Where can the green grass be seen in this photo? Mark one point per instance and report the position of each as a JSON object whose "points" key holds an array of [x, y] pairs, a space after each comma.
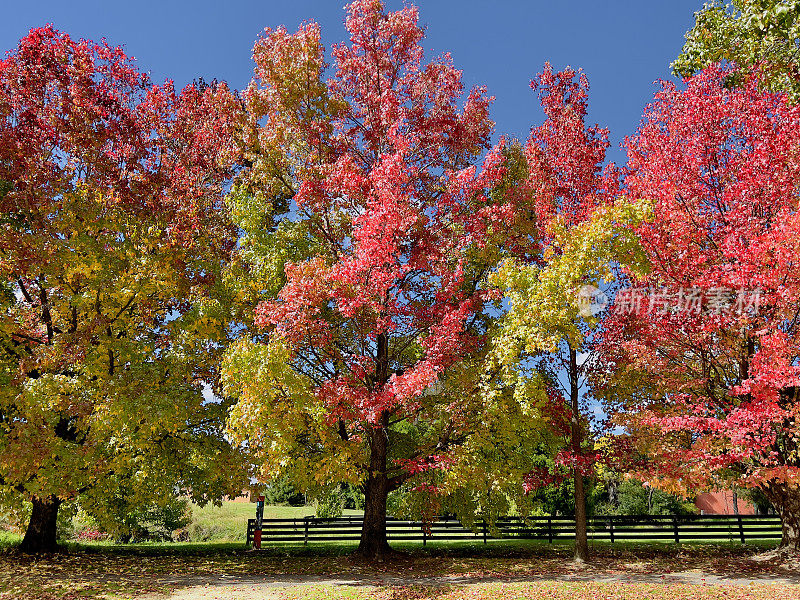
{"points": [[220, 523], [511, 547], [213, 524], [226, 526], [8, 539], [512, 569], [292, 512], [228, 523]]}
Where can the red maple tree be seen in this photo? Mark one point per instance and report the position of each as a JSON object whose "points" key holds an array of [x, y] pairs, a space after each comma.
{"points": [[381, 163], [703, 352]]}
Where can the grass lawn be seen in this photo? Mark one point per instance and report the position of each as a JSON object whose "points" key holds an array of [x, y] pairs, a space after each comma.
{"points": [[445, 571], [228, 523], [221, 523], [221, 568]]}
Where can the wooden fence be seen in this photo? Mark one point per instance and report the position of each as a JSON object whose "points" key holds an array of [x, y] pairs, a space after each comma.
{"points": [[608, 528]]}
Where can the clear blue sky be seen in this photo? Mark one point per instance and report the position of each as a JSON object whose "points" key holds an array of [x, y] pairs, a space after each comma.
{"points": [[622, 45]]}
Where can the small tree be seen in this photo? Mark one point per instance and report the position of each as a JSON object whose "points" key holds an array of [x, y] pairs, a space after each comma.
{"points": [[153, 521], [582, 233]]}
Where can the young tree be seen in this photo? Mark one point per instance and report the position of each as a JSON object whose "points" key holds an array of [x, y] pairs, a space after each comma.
{"points": [[747, 33], [582, 234], [357, 373], [703, 351], [112, 239]]}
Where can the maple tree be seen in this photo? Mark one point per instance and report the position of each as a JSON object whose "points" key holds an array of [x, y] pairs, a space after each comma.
{"points": [[361, 370], [113, 237], [583, 230], [703, 367], [747, 33]]}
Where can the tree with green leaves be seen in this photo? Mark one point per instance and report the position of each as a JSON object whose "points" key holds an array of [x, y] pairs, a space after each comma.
{"points": [[112, 239], [584, 230], [763, 33]]}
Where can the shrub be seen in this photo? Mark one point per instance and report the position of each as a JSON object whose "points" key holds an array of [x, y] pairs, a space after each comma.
{"points": [[90, 535], [148, 522], [333, 500]]}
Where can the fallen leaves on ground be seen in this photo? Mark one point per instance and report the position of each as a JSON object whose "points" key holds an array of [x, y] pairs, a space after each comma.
{"points": [[433, 574]]}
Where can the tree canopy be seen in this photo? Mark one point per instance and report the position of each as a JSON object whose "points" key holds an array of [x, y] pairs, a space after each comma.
{"points": [[702, 349], [747, 33], [112, 242], [333, 279]]}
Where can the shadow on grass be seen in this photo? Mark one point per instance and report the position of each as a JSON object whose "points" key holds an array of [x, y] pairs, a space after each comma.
{"points": [[99, 570]]}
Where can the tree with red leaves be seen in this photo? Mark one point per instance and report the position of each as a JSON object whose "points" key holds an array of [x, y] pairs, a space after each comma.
{"points": [[702, 352], [112, 240], [362, 369]]}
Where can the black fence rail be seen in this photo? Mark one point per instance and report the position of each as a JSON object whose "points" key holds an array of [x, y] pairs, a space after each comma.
{"points": [[643, 528]]}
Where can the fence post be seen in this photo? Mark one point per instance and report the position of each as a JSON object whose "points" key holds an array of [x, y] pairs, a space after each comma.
{"points": [[259, 523], [741, 528], [611, 527], [305, 534], [484, 531], [550, 530], [675, 527]]}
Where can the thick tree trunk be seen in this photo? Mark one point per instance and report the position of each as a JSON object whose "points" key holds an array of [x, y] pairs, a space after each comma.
{"points": [[790, 524], [786, 500], [581, 538], [41, 533], [373, 544]]}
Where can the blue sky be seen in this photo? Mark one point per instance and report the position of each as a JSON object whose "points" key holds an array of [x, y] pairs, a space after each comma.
{"points": [[622, 45]]}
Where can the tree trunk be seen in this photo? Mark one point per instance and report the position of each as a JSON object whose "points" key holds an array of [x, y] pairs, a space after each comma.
{"points": [[41, 533], [581, 541], [790, 526], [786, 500], [581, 538], [373, 544]]}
